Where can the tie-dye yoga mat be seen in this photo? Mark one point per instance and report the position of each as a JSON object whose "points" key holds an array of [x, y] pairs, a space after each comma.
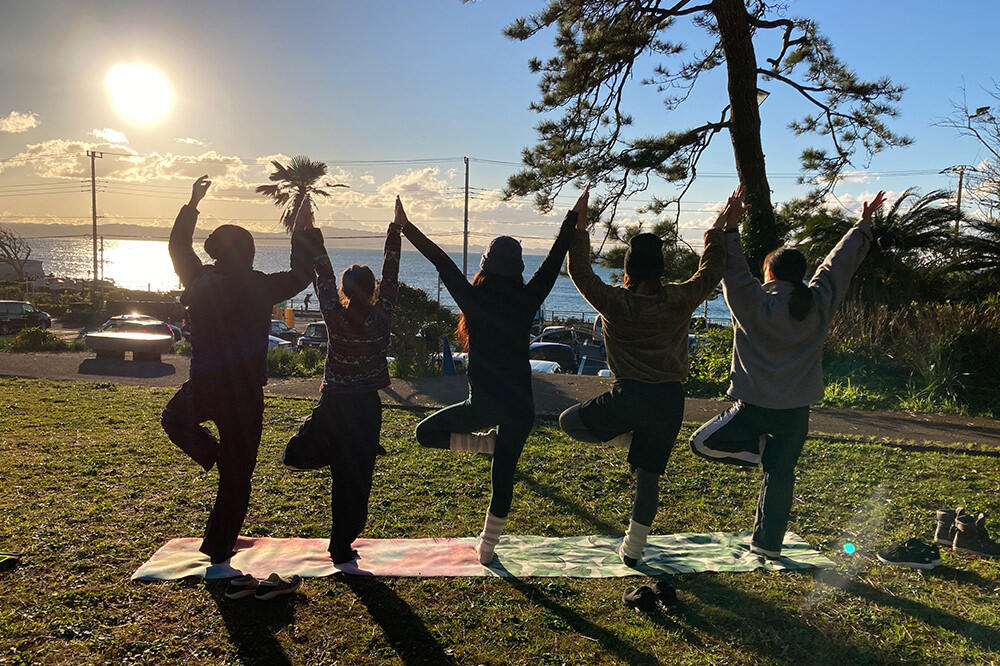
{"points": [[516, 556]]}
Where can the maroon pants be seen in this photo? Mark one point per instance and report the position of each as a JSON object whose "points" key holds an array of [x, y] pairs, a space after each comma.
{"points": [[237, 410]]}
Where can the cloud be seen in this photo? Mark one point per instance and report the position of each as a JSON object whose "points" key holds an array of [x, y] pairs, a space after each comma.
{"points": [[18, 122], [110, 135], [368, 178], [189, 141]]}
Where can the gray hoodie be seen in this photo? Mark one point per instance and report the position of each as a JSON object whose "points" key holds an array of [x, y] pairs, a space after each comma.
{"points": [[778, 360]]}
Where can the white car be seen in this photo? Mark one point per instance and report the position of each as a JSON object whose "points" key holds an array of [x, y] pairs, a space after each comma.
{"points": [[544, 367], [274, 341]]}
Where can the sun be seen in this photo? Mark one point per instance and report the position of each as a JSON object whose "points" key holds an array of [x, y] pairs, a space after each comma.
{"points": [[139, 92]]}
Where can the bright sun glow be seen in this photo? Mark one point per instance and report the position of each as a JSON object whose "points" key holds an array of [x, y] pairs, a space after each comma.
{"points": [[139, 92]]}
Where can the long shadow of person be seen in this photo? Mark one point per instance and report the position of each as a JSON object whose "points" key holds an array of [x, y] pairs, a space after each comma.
{"points": [[607, 639], [405, 631], [252, 624]]}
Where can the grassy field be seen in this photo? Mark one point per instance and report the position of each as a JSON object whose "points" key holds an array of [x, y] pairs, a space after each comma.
{"points": [[90, 487]]}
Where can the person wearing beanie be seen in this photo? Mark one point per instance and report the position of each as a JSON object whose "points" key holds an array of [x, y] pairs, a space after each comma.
{"points": [[777, 369], [229, 311], [343, 431], [497, 310], [645, 325]]}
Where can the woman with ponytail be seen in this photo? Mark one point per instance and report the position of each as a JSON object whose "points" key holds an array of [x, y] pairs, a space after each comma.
{"points": [[343, 430], [497, 310], [777, 370]]}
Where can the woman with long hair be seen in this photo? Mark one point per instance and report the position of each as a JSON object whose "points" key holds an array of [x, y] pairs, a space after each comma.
{"points": [[777, 371], [645, 326], [497, 310], [344, 428]]}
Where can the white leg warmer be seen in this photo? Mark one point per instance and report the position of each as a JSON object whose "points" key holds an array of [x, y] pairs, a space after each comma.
{"points": [[473, 442], [635, 540], [490, 537]]}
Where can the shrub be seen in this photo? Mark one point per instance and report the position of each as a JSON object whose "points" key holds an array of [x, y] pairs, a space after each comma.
{"points": [[33, 340], [283, 362], [708, 373]]}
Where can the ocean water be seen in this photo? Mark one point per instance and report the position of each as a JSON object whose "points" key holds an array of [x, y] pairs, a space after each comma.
{"points": [[145, 265]]}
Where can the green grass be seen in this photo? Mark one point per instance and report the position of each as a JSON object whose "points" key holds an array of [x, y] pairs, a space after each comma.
{"points": [[90, 487]]}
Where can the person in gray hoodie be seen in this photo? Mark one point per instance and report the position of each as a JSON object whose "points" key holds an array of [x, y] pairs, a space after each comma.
{"points": [[777, 368]]}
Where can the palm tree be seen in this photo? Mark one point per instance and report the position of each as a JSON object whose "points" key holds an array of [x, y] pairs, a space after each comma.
{"points": [[910, 256], [294, 184]]}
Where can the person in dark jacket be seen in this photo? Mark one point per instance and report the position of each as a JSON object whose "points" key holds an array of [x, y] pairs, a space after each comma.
{"points": [[645, 324], [777, 369], [229, 309], [343, 430], [497, 310]]}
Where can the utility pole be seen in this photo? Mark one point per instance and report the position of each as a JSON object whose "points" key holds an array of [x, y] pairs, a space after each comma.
{"points": [[961, 173], [465, 236], [93, 155]]}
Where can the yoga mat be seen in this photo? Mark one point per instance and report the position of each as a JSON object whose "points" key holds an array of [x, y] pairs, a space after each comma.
{"points": [[517, 556]]}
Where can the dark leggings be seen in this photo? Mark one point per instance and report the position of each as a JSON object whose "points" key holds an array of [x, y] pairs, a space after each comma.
{"points": [[513, 428], [237, 411], [647, 484]]}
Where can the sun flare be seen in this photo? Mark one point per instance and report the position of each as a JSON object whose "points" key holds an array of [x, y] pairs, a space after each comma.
{"points": [[139, 92]]}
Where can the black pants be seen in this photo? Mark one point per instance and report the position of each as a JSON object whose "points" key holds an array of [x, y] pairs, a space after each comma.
{"points": [[237, 410], [343, 433], [651, 412], [745, 434], [480, 412]]}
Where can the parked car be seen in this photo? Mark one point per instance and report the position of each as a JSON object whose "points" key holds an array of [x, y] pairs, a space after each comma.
{"points": [[544, 367], [16, 315], [138, 323], [584, 343], [275, 342], [315, 336], [133, 323], [281, 330], [553, 351]]}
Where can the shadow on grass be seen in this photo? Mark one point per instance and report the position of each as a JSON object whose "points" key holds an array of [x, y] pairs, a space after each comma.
{"points": [[607, 639], [252, 624], [987, 637], [568, 505], [405, 631], [769, 631]]}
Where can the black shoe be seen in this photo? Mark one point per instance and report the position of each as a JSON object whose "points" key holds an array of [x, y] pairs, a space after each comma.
{"points": [[944, 534], [642, 598], [275, 586], [241, 587], [343, 557], [971, 537], [665, 592], [912, 553]]}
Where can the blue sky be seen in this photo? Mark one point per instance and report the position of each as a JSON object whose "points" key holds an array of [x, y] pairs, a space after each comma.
{"points": [[380, 80]]}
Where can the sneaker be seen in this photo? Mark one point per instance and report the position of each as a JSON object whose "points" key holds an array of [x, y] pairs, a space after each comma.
{"points": [[241, 587], [666, 593], [275, 586], [971, 537], [912, 553], [642, 598], [944, 533]]}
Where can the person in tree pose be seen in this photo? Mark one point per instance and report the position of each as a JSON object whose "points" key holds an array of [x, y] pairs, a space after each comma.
{"points": [[645, 325], [343, 430], [777, 369], [497, 310], [229, 309]]}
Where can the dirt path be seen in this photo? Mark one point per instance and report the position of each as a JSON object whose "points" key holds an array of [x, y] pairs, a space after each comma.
{"points": [[553, 393]]}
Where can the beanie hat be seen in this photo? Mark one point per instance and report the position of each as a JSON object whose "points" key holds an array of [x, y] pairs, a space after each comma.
{"points": [[503, 257], [231, 247], [644, 257]]}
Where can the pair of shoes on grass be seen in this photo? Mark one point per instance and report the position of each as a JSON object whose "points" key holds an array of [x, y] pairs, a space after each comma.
{"points": [[912, 554], [965, 533], [644, 597], [263, 590]]}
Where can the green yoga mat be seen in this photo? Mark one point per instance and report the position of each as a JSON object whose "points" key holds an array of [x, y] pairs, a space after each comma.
{"points": [[518, 556]]}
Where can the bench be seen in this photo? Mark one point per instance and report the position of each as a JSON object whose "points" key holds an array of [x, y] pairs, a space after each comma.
{"points": [[144, 346]]}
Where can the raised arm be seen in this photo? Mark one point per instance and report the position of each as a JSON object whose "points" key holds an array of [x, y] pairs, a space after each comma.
{"points": [[307, 249], [451, 275], [833, 277], [388, 286], [592, 288], [186, 262], [541, 282], [740, 288]]}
